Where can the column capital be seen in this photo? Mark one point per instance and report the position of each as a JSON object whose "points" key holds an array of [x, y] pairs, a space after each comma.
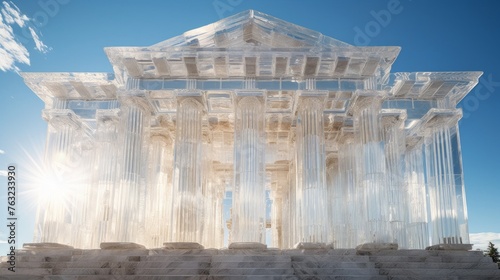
{"points": [[60, 117]]}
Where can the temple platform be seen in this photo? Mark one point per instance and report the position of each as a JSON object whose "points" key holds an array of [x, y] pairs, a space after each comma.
{"points": [[135, 262]]}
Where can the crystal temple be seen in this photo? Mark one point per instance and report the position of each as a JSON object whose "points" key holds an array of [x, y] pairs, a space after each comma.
{"points": [[252, 129]]}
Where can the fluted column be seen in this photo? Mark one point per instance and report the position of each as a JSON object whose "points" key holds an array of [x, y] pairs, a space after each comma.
{"points": [[248, 213], [85, 193], [444, 177], [158, 199], [311, 196], [187, 198], [128, 212], [337, 194], [418, 230], [354, 201], [372, 169], [395, 144], [106, 160], [54, 220]]}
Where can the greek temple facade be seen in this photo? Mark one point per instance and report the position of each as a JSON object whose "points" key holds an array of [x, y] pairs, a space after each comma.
{"points": [[252, 129]]}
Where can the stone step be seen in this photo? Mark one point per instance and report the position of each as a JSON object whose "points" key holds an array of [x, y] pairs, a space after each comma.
{"points": [[359, 265], [17, 276], [270, 277], [104, 264], [177, 258], [155, 277], [250, 271], [345, 277], [26, 271], [440, 265], [251, 265], [432, 259], [330, 258], [123, 277], [337, 271], [129, 271], [254, 277], [416, 252], [440, 272], [243, 258], [407, 277]]}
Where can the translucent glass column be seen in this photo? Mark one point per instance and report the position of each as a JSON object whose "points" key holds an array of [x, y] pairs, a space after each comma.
{"points": [[372, 169], [444, 178], [462, 215], [187, 197], [337, 194], [354, 193], [128, 194], [288, 212], [417, 229], [311, 195], [106, 160], [249, 208], [54, 220], [158, 198], [85, 193], [395, 145]]}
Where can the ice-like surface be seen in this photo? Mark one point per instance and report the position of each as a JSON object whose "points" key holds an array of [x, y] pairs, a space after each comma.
{"points": [[252, 126]]}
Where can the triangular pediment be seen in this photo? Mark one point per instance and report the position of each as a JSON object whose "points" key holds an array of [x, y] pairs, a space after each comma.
{"points": [[251, 29]]}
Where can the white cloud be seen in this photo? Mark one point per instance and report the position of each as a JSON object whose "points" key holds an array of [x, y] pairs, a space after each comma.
{"points": [[481, 240], [40, 46], [13, 52], [2, 152], [12, 14], [3, 173]]}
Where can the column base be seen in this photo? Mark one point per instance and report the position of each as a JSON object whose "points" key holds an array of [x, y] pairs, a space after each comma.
{"points": [[310, 245], [182, 245], [370, 248], [45, 245], [450, 247], [120, 246], [247, 245]]}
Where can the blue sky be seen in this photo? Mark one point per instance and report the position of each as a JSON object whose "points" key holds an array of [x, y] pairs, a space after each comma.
{"points": [[434, 36]]}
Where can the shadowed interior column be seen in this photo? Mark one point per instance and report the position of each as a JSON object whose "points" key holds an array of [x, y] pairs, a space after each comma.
{"points": [[248, 213]]}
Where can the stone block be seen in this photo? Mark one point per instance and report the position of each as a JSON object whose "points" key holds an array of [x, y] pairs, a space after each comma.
{"points": [[45, 245], [451, 247], [182, 245], [371, 248], [120, 245], [247, 245], [311, 246]]}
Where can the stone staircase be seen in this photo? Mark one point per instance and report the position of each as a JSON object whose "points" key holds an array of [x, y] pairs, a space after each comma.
{"points": [[439, 264], [332, 264], [152, 264]]}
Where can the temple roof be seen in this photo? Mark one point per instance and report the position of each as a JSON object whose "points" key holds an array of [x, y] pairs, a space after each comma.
{"points": [[269, 53], [251, 28], [251, 45]]}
